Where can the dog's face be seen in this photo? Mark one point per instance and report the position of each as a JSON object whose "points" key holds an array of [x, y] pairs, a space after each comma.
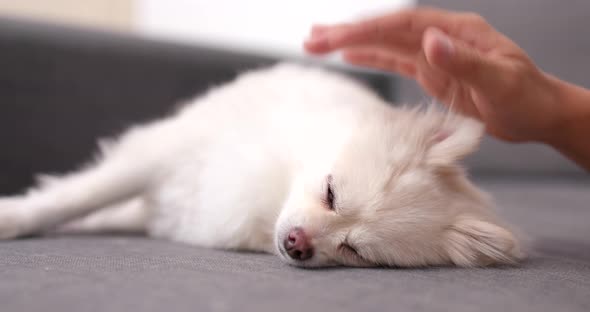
{"points": [[394, 200]]}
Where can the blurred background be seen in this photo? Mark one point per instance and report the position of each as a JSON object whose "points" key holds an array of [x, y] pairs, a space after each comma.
{"points": [[75, 70], [264, 26]]}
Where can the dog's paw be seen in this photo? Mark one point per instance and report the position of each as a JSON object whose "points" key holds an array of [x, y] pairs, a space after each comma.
{"points": [[12, 219]]}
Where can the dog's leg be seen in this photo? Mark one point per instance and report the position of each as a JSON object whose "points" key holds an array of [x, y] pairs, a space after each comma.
{"points": [[67, 198], [126, 171], [129, 217]]}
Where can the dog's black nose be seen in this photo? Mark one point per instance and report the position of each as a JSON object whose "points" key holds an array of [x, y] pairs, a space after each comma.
{"points": [[297, 245]]}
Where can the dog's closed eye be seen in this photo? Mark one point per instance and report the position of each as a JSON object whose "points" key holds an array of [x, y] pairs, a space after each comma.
{"points": [[345, 247], [350, 251], [329, 198]]}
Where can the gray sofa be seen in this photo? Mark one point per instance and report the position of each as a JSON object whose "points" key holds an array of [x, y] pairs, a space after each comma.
{"points": [[62, 88]]}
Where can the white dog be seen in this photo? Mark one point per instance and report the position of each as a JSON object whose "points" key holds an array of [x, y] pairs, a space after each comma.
{"points": [[296, 161]]}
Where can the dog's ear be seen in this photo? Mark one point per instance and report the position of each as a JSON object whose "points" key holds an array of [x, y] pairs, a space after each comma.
{"points": [[453, 140], [471, 242]]}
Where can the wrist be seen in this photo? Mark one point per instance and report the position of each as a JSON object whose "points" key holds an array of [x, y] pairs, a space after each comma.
{"points": [[571, 127], [564, 98]]}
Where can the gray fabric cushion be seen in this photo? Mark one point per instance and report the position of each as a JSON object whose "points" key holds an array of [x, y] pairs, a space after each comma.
{"points": [[137, 274]]}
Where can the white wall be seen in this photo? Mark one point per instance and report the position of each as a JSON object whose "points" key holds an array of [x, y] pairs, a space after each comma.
{"points": [[267, 26]]}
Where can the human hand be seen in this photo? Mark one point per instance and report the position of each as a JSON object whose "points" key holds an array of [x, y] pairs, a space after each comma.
{"points": [[459, 59]]}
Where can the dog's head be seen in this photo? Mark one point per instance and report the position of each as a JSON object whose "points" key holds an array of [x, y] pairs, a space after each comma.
{"points": [[394, 196]]}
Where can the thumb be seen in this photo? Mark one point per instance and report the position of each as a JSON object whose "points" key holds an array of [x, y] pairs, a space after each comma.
{"points": [[459, 60]]}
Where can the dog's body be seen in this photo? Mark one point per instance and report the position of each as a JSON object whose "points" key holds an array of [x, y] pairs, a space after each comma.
{"points": [[289, 160]]}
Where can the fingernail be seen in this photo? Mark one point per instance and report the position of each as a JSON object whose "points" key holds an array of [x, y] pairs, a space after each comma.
{"points": [[444, 45], [318, 29], [316, 41]]}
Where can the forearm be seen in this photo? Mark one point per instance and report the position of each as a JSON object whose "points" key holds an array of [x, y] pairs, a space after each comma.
{"points": [[571, 136]]}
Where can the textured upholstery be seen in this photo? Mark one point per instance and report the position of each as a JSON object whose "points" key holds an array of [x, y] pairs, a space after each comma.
{"points": [[136, 274]]}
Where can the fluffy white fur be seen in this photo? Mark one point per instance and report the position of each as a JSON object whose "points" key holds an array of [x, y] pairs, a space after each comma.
{"points": [[241, 166]]}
